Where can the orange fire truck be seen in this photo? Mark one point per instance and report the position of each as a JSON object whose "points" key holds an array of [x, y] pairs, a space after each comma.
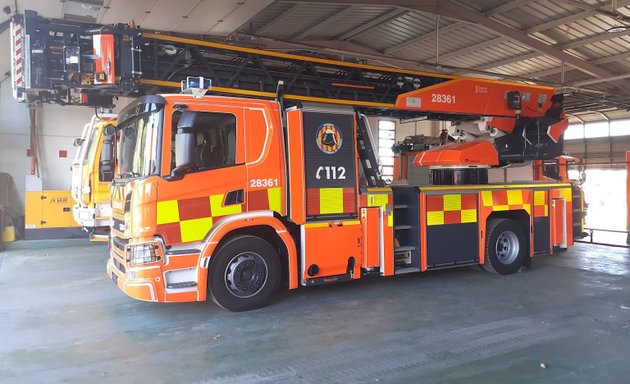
{"points": [[223, 198], [233, 195]]}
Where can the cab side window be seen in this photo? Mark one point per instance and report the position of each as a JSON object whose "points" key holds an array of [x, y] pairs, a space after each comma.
{"points": [[215, 140]]}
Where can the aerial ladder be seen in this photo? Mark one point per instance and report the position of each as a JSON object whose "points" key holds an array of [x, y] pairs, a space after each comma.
{"points": [[68, 62]]}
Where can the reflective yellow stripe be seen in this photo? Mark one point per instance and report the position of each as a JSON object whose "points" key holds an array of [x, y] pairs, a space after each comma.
{"points": [[435, 218], [452, 202], [275, 199], [377, 200], [486, 196], [469, 216], [330, 200], [515, 197], [539, 198], [379, 190], [216, 205], [167, 212], [566, 194], [351, 222], [196, 229], [316, 225], [500, 207]]}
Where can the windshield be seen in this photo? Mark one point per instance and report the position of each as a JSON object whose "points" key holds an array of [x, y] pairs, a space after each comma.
{"points": [[92, 144], [138, 149]]}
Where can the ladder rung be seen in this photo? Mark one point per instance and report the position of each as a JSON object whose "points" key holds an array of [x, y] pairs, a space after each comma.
{"points": [[400, 206]]}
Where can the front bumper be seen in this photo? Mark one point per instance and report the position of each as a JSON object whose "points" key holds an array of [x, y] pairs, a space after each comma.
{"points": [[145, 286], [92, 217]]}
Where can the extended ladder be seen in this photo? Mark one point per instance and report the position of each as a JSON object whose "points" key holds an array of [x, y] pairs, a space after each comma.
{"points": [[100, 62]]}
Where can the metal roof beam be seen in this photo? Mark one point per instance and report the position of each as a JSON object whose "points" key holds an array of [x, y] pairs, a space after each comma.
{"points": [[325, 23], [601, 60], [552, 71], [450, 9], [604, 80], [451, 27], [371, 25]]}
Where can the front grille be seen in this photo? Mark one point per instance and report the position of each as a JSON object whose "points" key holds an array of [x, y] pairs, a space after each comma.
{"points": [[118, 225], [120, 243], [119, 266]]}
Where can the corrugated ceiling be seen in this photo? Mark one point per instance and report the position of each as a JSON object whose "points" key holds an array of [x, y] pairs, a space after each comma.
{"points": [[384, 31]]}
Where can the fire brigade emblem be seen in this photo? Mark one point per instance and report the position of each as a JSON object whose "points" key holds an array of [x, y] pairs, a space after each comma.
{"points": [[328, 138]]}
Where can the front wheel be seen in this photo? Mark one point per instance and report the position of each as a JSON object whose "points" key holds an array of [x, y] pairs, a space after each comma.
{"points": [[506, 247], [244, 274]]}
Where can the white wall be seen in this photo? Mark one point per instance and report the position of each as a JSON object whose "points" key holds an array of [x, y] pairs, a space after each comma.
{"points": [[427, 128], [57, 127], [14, 139]]}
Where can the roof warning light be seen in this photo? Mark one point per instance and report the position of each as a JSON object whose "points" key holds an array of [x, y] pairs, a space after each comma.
{"points": [[196, 85]]}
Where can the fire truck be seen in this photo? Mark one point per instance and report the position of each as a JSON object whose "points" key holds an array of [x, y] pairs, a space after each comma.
{"points": [[92, 172], [272, 180]]}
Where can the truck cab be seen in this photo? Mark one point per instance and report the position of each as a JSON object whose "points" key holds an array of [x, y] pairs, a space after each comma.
{"points": [[187, 164], [92, 171]]}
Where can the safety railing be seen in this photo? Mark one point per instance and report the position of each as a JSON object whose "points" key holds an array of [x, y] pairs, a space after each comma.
{"points": [[592, 230]]}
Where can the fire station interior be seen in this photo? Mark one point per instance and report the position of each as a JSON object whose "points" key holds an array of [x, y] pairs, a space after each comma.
{"points": [[314, 191]]}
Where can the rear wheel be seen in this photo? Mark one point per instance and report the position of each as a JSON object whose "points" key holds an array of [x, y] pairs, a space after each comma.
{"points": [[506, 247], [244, 274]]}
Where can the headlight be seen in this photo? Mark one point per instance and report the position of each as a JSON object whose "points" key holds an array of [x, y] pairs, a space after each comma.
{"points": [[142, 254]]}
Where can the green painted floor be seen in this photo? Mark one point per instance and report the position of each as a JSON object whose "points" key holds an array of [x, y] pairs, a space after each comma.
{"points": [[63, 321]]}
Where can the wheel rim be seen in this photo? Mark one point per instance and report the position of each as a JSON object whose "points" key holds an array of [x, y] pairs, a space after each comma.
{"points": [[507, 247], [246, 274]]}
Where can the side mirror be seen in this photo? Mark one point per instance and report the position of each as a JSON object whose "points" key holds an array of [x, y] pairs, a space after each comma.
{"points": [[78, 142], [184, 145], [106, 166]]}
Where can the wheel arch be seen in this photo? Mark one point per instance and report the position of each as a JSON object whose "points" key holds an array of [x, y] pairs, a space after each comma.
{"points": [[262, 224]]}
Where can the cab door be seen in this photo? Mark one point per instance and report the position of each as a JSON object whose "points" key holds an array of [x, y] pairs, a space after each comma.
{"points": [[215, 186]]}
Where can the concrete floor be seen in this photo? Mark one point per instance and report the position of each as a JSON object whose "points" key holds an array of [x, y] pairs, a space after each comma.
{"points": [[63, 321]]}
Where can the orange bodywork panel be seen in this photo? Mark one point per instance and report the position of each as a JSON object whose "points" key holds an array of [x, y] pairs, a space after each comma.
{"points": [[104, 50], [556, 130], [370, 233], [557, 222], [477, 97], [480, 152], [295, 161], [329, 246]]}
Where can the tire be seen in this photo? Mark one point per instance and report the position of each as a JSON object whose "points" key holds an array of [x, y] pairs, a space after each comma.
{"points": [[506, 247], [243, 259]]}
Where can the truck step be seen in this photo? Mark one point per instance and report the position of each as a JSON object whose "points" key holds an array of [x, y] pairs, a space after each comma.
{"points": [[404, 248], [400, 271], [401, 227], [400, 206], [183, 284], [99, 237]]}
